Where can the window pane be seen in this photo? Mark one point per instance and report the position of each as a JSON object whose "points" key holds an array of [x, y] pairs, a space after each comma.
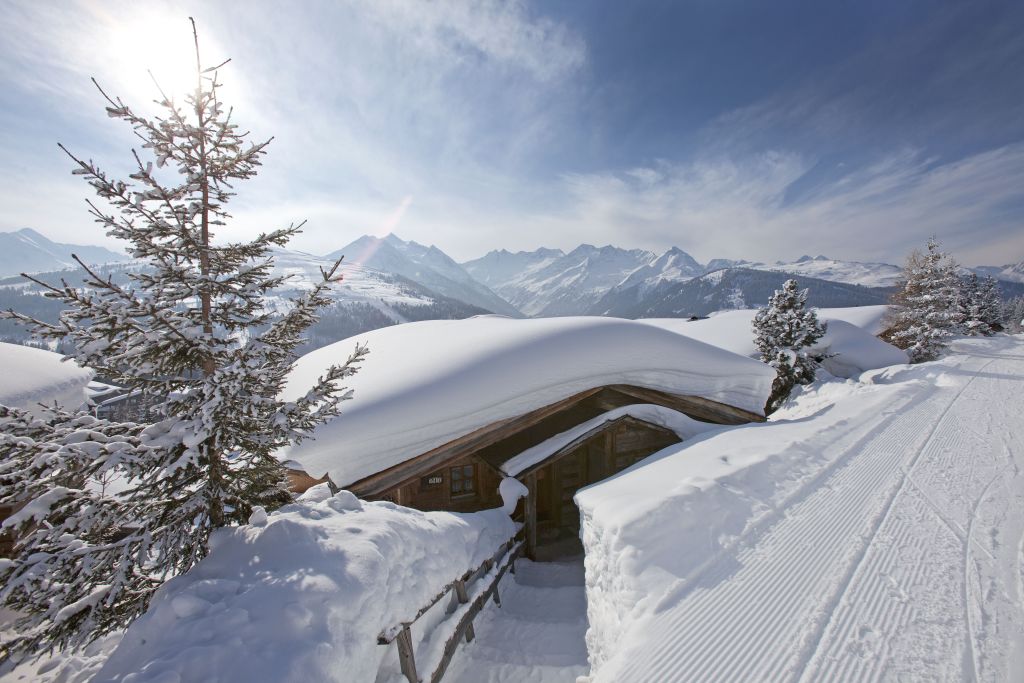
{"points": [[456, 486], [467, 471]]}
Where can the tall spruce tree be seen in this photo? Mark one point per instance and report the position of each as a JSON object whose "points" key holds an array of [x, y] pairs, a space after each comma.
{"points": [[923, 313], [784, 331], [191, 329], [967, 316], [990, 305]]}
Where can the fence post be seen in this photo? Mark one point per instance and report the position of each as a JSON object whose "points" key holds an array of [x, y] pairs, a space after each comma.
{"points": [[406, 658], [460, 591]]}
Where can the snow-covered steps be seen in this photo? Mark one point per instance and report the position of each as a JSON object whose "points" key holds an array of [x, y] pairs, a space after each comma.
{"points": [[536, 635]]}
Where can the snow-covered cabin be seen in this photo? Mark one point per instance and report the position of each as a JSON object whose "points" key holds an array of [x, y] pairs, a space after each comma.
{"points": [[443, 411], [30, 376]]}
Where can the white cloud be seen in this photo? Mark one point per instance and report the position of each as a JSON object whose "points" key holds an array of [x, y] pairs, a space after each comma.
{"points": [[727, 207]]}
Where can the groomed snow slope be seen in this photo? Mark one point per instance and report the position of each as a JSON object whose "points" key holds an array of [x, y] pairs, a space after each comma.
{"points": [[868, 531], [427, 383], [301, 595], [850, 339], [31, 376]]}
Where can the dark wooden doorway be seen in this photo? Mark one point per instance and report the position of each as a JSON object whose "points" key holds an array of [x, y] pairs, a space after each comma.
{"points": [[588, 461]]}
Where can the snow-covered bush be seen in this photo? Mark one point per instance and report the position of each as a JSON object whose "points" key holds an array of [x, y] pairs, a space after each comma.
{"points": [[784, 331], [923, 312], [192, 330]]}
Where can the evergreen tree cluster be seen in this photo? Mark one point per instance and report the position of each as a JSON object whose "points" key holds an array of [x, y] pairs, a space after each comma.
{"points": [[936, 301], [784, 332], [979, 308], [191, 330]]}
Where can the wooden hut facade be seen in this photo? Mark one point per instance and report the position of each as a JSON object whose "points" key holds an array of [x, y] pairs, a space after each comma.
{"points": [[464, 474]]}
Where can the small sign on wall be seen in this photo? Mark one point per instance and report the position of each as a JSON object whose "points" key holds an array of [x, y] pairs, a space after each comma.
{"points": [[432, 481]]}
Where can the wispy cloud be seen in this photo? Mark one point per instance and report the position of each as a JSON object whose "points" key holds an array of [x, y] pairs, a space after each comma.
{"points": [[723, 207]]}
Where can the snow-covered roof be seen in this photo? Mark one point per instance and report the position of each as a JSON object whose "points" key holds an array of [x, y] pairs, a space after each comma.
{"points": [[684, 427], [32, 376], [427, 383], [850, 337]]}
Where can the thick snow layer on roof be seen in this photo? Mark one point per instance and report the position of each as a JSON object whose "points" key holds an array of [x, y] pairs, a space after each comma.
{"points": [[301, 594], [826, 544], [30, 376], [427, 383], [684, 427], [854, 348], [867, 318]]}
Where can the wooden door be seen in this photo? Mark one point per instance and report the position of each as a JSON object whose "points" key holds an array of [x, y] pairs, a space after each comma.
{"points": [[570, 476]]}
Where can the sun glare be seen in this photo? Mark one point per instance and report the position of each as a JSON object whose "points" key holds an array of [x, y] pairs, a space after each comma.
{"points": [[150, 46]]}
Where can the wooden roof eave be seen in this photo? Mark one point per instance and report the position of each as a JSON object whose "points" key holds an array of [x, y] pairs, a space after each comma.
{"points": [[421, 465], [467, 444], [590, 433]]}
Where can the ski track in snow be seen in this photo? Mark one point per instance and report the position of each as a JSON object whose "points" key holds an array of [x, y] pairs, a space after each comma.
{"points": [[885, 569]]}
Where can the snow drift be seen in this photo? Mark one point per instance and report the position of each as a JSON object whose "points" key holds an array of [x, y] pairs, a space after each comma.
{"points": [[33, 376], [849, 342], [301, 594], [651, 530], [427, 383]]}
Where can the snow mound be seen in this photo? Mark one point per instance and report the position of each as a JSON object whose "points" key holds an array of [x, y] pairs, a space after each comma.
{"points": [[33, 376], [867, 318], [303, 595], [849, 341], [427, 383], [649, 532]]}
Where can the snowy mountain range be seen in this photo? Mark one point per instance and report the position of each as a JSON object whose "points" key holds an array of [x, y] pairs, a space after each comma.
{"points": [[728, 288], [548, 282], [365, 299], [428, 266], [390, 280], [26, 251]]}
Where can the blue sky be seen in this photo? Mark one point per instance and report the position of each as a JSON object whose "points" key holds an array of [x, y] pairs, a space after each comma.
{"points": [[759, 130]]}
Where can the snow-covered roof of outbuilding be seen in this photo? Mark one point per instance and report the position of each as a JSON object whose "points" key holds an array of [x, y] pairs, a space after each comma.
{"points": [[849, 340], [30, 376], [425, 384]]}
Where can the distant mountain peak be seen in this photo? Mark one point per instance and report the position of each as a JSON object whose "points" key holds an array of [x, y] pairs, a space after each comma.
{"points": [[29, 251]]}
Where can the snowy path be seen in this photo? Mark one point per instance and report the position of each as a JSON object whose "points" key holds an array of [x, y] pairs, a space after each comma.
{"points": [[537, 634], [901, 562]]}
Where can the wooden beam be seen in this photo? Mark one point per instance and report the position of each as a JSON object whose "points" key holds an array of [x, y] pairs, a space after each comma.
{"points": [[694, 406], [608, 428], [531, 515]]}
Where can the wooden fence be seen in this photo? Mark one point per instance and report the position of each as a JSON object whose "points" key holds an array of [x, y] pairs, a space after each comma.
{"points": [[458, 592]]}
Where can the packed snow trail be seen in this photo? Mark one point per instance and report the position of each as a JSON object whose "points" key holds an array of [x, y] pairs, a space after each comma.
{"points": [[903, 562], [537, 634]]}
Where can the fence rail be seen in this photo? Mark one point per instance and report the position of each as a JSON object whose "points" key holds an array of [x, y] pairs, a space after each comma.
{"points": [[458, 593]]}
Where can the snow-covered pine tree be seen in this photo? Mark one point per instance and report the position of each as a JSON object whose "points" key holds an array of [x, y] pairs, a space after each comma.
{"points": [[990, 305], [190, 328], [784, 330], [967, 317], [922, 314], [1013, 315]]}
